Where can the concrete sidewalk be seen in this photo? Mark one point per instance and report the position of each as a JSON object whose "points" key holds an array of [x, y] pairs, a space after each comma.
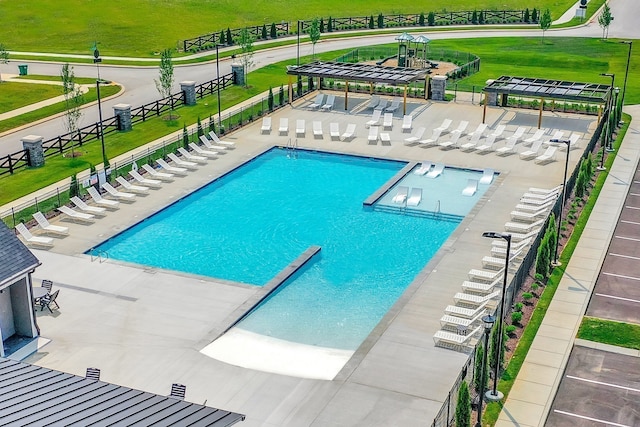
{"points": [[533, 392]]}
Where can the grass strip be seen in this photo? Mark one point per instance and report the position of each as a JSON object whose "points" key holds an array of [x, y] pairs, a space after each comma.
{"points": [[610, 332]]}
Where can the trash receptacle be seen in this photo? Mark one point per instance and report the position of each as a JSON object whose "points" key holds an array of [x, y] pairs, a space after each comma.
{"points": [[23, 69]]}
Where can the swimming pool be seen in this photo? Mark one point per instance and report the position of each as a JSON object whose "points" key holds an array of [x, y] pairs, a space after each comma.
{"points": [[250, 224]]}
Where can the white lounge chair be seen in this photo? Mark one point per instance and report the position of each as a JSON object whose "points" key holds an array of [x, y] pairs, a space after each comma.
{"points": [[157, 175], [138, 189], [486, 275], [521, 227], [414, 197], [475, 299], [328, 106], [98, 199], [452, 339], [300, 127], [557, 136], [517, 135], [444, 126], [350, 132], [487, 146], [515, 242], [461, 127], [373, 134], [317, 128], [210, 146], [384, 103], [415, 137], [477, 134], [423, 169], [120, 195], [451, 143], [192, 157], [538, 202], [524, 207], [284, 125], [529, 216], [501, 252], [471, 188], [218, 141], [385, 138], [544, 192], [395, 104], [31, 240], [449, 320], [375, 119], [387, 120], [509, 148], [407, 122], [517, 237], [533, 152], [49, 228], [537, 136], [436, 171], [175, 170], [481, 288], [547, 157], [319, 102], [487, 176], [401, 194], [202, 152], [76, 216], [498, 131], [431, 141], [182, 163], [334, 130], [153, 183], [463, 311], [373, 103], [266, 125], [499, 261], [94, 210]]}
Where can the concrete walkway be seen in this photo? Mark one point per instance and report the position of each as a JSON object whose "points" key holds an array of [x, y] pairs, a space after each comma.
{"points": [[530, 399]]}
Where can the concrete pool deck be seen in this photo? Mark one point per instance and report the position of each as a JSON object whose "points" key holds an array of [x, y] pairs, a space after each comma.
{"points": [[145, 328]]}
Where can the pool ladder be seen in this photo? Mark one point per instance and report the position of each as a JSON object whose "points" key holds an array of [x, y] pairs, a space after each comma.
{"points": [[101, 256], [291, 148]]}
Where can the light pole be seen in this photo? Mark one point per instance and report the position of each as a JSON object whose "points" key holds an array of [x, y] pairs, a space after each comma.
{"points": [[618, 109], [97, 60], [218, 84], [609, 109], [564, 190], [626, 73], [613, 118], [488, 321], [495, 395]]}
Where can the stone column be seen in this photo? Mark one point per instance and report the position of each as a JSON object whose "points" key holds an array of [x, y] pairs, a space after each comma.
{"points": [[438, 87], [189, 89], [123, 113], [492, 97], [238, 73], [35, 154]]}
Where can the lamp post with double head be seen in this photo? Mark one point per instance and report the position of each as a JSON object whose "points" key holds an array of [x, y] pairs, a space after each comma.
{"points": [[488, 321], [495, 395]]}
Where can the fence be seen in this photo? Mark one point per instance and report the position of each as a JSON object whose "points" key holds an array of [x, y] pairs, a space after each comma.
{"points": [[446, 414], [63, 143], [264, 32]]}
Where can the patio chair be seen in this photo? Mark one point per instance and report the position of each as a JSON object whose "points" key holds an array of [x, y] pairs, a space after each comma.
{"points": [[373, 103], [431, 141], [498, 131], [423, 169], [524, 227], [385, 138], [138, 189], [487, 276], [152, 183], [317, 128], [475, 299], [328, 106], [449, 339], [375, 119], [213, 147], [373, 135], [334, 130], [544, 192], [48, 285], [318, 102], [414, 197], [94, 210], [449, 320], [477, 134], [461, 127], [283, 128], [436, 171], [46, 227], [97, 198], [266, 125], [395, 104], [162, 176], [31, 240], [300, 127], [349, 133], [216, 140], [185, 164], [49, 299], [415, 137], [444, 126], [483, 288], [120, 195], [465, 312], [547, 157], [471, 188], [384, 103], [401, 195], [387, 121], [407, 122], [175, 170], [530, 216], [451, 143], [76, 216], [487, 176], [524, 207], [202, 152], [192, 157], [533, 152], [535, 138], [509, 148], [487, 146]]}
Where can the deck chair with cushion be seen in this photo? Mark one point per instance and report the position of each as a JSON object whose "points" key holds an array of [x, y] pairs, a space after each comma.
{"points": [[48, 300], [94, 210], [413, 139], [202, 152], [48, 228], [283, 127], [175, 170], [266, 125], [407, 122], [375, 119], [76, 216], [183, 164], [218, 141], [318, 102], [138, 189], [31, 240], [349, 133], [334, 131], [300, 127], [117, 194], [328, 106], [99, 200], [192, 157], [401, 195], [158, 175], [149, 182], [317, 128], [414, 197]]}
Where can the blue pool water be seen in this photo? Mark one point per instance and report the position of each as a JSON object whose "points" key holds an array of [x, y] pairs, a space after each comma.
{"points": [[250, 224]]}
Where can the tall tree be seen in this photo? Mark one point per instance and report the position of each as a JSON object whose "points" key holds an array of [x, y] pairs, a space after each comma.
{"points": [[4, 57], [73, 99], [274, 33], [246, 48], [604, 20], [545, 22], [164, 83], [463, 408], [314, 35]]}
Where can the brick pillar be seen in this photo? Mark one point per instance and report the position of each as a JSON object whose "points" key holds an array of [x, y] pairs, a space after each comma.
{"points": [[189, 89], [492, 97], [123, 113], [438, 87], [238, 73], [33, 145]]}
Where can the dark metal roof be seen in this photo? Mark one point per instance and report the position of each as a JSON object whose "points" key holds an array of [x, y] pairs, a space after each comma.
{"points": [[15, 257], [32, 395], [359, 72], [550, 89]]}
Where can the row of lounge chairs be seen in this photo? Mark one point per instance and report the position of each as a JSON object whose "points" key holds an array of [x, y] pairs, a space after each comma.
{"points": [[483, 286], [387, 120]]}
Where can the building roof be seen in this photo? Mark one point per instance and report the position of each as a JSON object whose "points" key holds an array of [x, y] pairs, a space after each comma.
{"points": [[550, 89], [15, 257], [359, 72], [32, 395]]}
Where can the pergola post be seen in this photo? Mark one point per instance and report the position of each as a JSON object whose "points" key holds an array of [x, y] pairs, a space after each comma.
{"points": [[346, 94], [404, 104], [426, 88], [370, 88], [540, 113], [599, 113], [290, 90], [484, 108]]}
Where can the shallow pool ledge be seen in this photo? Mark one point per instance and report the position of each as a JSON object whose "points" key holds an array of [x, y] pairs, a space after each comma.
{"points": [[387, 185]]}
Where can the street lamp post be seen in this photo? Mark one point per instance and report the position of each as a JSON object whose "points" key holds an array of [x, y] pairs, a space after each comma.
{"points": [[626, 73], [618, 109], [97, 60], [488, 321], [564, 192], [218, 85], [495, 395], [610, 110], [614, 119]]}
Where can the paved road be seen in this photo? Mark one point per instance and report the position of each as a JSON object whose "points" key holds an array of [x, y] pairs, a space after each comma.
{"points": [[140, 87]]}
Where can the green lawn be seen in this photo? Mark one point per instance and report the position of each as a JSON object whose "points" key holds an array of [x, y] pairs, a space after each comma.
{"points": [[609, 332], [140, 28], [17, 95]]}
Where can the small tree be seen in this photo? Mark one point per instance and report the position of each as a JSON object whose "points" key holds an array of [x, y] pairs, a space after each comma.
{"points": [[4, 57], [481, 17], [493, 344], [274, 32], [552, 235], [185, 136], [371, 22], [314, 35], [264, 32], [73, 187], [477, 370], [246, 57], [380, 20], [534, 15], [421, 19], [330, 25], [165, 81], [474, 17], [542, 257], [321, 25], [200, 129], [270, 99], [604, 20], [431, 19], [527, 16], [222, 38], [545, 22], [212, 124], [516, 317], [73, 100], [463, 407], [580, 184], [229, 37]]}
